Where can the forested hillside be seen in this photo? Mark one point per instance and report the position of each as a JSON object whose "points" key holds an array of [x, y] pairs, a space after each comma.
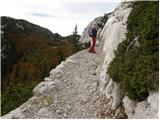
{"points": [[28, 54]]}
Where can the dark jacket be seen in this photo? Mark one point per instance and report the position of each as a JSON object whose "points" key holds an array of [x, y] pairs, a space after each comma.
{"points": [[94, 32]]}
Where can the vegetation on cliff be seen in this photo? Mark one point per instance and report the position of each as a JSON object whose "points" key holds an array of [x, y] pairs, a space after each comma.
{"points": [[136, 64]]}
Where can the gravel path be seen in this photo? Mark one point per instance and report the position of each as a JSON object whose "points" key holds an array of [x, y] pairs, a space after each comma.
{"points": [[71, 91]]}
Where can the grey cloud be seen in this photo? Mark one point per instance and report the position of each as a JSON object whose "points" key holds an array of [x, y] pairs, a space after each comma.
{"points": [[42, 15]]}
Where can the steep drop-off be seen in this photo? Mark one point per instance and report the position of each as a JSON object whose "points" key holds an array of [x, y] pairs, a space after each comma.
{"points": [[28, 53]]}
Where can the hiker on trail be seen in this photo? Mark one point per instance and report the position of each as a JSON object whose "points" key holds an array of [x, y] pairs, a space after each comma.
{"points": [[93, 35]]}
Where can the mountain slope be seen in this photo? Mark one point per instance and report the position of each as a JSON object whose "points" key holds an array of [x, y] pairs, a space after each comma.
{"points": [[28, 54]]}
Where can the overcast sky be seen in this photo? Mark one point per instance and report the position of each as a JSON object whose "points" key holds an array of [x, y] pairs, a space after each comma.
{"points": [[57, 15]]}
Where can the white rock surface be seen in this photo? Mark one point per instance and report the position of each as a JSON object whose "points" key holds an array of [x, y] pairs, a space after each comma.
{"points": [[43, 88], [153, 100], [109, 89], [118, 95], [112, 34], [148, 109], [16, 114], [129, 106]]}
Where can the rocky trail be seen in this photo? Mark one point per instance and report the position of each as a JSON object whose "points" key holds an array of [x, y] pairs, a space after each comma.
{"points": [[71, 91]]}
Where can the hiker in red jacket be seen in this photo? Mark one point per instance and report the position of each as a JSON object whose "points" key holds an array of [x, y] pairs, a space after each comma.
{"points": [[93, 34]]}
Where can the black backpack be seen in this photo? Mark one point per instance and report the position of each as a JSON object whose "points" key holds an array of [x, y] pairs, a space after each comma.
{"points": [[90, 32]]}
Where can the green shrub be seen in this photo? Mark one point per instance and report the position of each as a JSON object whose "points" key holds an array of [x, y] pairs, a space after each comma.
{"points": [[15, 96], [136, 66]]}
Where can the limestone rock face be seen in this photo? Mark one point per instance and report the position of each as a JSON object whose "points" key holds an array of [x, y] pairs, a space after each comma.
{"points": [[147, 109], [153, 100], [43, 88], [118, 95], [129, 106], [111, 35]]}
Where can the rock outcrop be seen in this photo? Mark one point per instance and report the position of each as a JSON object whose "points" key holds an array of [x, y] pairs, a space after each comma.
{"points": [[112, 34], [147, 109]]}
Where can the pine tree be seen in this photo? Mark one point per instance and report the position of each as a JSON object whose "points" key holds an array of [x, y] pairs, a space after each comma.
{"points": [[75, 30], [75, 39]]}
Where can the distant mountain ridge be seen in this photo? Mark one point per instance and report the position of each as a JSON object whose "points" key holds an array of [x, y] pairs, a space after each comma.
{"points": [[14, 29], [22, 25]]}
